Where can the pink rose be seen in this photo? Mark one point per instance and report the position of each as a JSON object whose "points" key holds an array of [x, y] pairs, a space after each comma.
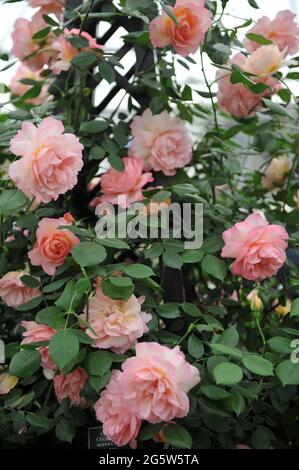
{"points": [[66, 51], [125, 187], [35, 333], [48, 6], [276, 172], [283, 31], [19, 89], [236, 99], [50, 160], [24, 45], [162, 141], [155, 383], [265, 61], [13, 292], [117, 323], [70, 386], [52, 244], [119, 425], [194, 21], [259, 248], [7, 383]]}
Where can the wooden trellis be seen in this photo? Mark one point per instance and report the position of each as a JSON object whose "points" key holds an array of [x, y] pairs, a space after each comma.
{"points": [[172, 280]]}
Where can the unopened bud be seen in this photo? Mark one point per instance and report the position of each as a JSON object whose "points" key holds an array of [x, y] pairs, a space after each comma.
{"points": [[256, 303]]}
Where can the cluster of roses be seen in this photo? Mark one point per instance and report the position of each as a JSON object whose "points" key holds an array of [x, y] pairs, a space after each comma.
{"points": [[40, 53], [152, 385], [262, 64]]}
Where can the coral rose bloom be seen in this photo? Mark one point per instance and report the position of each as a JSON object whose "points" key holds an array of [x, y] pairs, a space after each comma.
{"points": [[194, 20], [162, 141], [117, 323], [13, 292], [265, 61], [52, 244], [48, 6], [258, 247], [50, 160], [19, 89], [66, 51], [155, 383], [34, 333], [283, 31], [276, 172], [70, 386], [7, 383], [125, 187], [236, 99], [119, 425], [24, 45]]}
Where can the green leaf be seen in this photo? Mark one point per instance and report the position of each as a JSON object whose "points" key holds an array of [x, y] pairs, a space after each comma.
{"points": [[98, 363], [295, 308], [65, 431], [63, 348], [118, 288], [106, 71], [30, 281], [69, 299], [172, 259], [88, 254], [43, 33], [214, 266], [168, 310], [169, 12], [195, 347], [192, 256], [84, 59], [262, 438], [149, 431], [38, 420], [46, 315], [113, 243], [12, 201], [235, 402], [259, 39], [99, 382], [276, 108], [229, 337], [116, 162], [288, 373], [50, 20], [178, 436], [253, 4], [191, 310], [280, 344], [91, 127], [223, 349], [138, 271], [214, 393], [77, 41], [212, 244], [258, 365], [30, 305], [227, 373], [55, 286], [25, 363]]}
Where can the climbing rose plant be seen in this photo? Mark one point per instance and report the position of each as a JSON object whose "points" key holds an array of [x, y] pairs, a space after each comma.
{"points": [[93, 329]]}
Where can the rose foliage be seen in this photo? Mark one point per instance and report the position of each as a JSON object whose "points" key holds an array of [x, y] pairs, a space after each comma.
{"points": [[165, 346]]}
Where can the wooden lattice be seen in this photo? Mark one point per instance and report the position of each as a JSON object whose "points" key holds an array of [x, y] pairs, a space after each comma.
{"points": [[172, 280]]}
